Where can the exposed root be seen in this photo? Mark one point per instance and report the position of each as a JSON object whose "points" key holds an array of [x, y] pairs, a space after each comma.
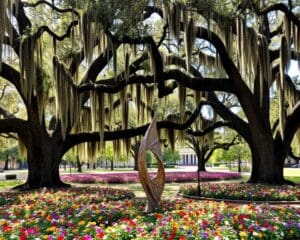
{"points": [[30, 187]]}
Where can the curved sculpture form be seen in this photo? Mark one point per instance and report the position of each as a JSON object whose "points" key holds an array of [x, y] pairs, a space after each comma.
{"points": [[153, 186]]}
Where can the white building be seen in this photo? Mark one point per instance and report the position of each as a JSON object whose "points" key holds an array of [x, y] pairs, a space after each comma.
{"points": [[187, 157]]}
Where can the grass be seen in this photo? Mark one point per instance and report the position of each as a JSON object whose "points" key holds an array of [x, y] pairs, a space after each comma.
{"points": [[294, 179], [6, 184]]}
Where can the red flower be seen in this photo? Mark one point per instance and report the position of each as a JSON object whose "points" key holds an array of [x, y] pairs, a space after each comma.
{"points": [[181, 213], [23, 236], [100, 234]]}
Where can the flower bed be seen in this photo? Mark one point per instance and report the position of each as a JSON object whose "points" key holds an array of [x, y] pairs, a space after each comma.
{"points": [[251, 192], [82, 195], [133, 177], [76, 214]]}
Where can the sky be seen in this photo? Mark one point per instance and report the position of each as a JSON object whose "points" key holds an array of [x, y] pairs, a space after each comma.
{"points": [[294, 70]]}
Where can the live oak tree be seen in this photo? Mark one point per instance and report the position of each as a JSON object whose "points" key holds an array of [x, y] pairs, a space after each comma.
{"points": [[111, 56], [245, 51], [84, 101]]}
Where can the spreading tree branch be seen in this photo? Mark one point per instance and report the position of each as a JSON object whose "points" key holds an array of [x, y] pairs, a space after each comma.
{"points": [[74, 139], [11, 75], [283, 8], [44, 28], [195, 83], [60, 10], [13, 125], [209, 129]]}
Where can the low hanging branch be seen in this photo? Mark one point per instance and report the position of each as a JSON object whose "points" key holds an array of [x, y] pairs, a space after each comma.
{"points": [[74, 139], [13, 125]]}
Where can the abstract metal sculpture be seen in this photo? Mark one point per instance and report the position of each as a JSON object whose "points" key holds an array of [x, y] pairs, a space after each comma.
{"points": [[153, 187]]}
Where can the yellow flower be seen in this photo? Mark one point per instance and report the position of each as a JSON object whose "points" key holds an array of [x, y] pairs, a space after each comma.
{"points": [[51, 229], [81, 223], [2, 223], [45, 237], [291, 232], [243, 234], [91, 224], [175, 224]]}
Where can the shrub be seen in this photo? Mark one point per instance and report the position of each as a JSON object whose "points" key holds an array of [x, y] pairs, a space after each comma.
{"points": [[133, 177]]}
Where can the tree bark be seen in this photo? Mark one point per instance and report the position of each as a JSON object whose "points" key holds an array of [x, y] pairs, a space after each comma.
{"points": [[43, 165], [135, 154], [136, 166], [6, 163], [266, 166], [201, 160], [78, 164], [44, 153], [201, 165], [112, 165]]}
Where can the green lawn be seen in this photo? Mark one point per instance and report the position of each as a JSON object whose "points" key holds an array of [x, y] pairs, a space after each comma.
{"points": [[295, 179], [6, 184]]}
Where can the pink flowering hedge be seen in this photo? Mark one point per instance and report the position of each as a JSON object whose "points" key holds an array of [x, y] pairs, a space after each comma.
{"points": [[133, 177]]}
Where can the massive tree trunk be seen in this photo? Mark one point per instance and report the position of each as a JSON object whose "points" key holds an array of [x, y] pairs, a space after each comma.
{"points": [[43, 159], [267, 167], [44, 154]]}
